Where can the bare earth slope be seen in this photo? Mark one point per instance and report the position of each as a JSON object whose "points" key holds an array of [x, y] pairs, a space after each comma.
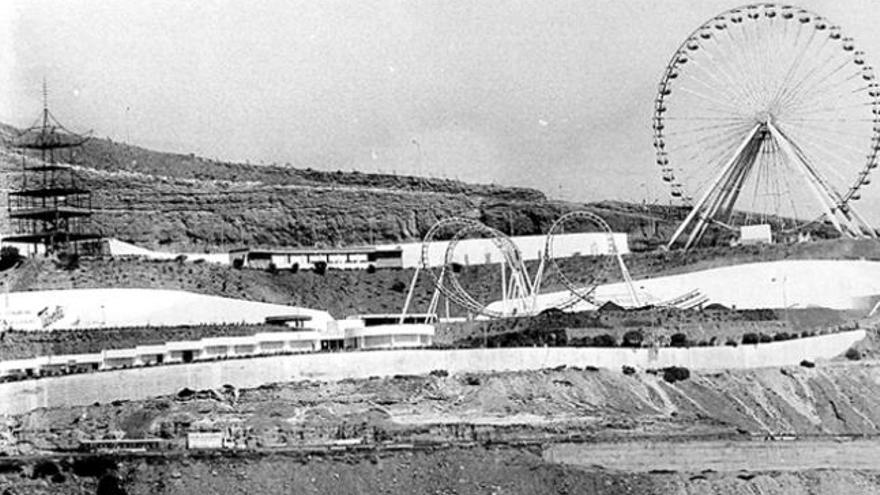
{"points": [[832, 399]]}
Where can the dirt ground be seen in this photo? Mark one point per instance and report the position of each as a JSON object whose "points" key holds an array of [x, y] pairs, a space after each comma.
{"points": [[605, 408]]}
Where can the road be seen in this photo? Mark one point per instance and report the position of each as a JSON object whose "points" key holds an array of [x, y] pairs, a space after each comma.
{"points": [[720, 455]]}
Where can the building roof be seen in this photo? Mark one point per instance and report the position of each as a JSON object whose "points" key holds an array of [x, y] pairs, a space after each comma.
{"points": [[317, 250]]}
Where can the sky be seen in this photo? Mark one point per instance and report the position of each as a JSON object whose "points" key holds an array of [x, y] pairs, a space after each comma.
{"points": [[551, 94]]}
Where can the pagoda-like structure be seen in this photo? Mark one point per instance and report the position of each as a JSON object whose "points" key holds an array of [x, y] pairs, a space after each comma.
{"points": [[48, 207]]}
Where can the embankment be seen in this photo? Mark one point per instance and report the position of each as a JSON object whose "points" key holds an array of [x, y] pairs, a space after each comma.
{"points": [[135, 384]]}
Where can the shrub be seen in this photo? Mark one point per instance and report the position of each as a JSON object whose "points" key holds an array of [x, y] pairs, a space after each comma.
{"points": [[781, 336], [633, 338], [604, 340], [679, 340], [294, 268], [272, 268], [750, 338], [398, 286], [808, 364], [9, 257], [628, 370], [320, 267], [853, 354], [674, 374], [68, 261], [439, 373], [764, 338], [371, 268], [472, 380], [731, 343], [45, 469]]}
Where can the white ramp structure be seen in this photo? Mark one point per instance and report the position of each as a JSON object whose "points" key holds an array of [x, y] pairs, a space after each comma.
{"points": [[101, 308], [767, 114], [834, 284]]}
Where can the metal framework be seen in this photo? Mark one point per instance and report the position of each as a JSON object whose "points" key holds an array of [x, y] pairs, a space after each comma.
{"points": [[517, 285], [585, 293], [519, 288], [49, 207], [767, 114]]}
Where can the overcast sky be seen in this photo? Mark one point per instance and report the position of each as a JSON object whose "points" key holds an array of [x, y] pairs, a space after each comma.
{"points": [[550, 94]]}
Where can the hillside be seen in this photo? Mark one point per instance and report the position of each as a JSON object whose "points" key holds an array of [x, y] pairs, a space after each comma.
{"points": [[188, 203]]}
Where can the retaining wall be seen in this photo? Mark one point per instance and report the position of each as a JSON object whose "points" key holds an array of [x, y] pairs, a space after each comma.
{"points": [[135, 384]]}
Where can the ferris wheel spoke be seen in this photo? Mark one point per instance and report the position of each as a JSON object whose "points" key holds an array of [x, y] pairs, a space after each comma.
{"points": [[731, 109], [797, 96], [852, 133], [742, 65], [795, 106], [728, 127], [792, 69], [780, 163], [820, 144], [736, 90], [705, 142], [797, 81], [721, 88], [809, 82], [806, 136]]}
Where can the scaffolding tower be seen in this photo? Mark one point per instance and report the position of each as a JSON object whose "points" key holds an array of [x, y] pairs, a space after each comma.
{"points": [[48, 207]]}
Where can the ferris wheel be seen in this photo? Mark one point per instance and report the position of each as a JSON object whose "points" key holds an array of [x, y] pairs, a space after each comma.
{"points": [[767, 114]]}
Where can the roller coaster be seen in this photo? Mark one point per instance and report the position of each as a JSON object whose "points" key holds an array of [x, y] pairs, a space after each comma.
{"points": [[519, 287]]}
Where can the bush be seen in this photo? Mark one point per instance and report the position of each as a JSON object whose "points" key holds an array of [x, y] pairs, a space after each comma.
{"points": [[294, 268], [674, 374], [604, 340], [45, 469], [808, 364], [628, 370], [764, 338], [679, 340], [9, 257], [731, 343], [320, 267], [439, 373], [68, 261], [472, 380], [853, 354], [371, 268], [633, 338], [781, 336], [750, 338], [272, 268], [398, 286]]}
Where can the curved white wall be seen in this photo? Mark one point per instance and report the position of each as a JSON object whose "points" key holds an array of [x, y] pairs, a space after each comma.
{"points": [[91, 308], [835, 284]]}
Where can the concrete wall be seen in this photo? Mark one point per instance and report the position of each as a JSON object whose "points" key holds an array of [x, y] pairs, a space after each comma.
{"points": [[134, 384]]}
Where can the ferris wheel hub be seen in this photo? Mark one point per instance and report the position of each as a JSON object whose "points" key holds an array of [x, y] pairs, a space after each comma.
{"points": [[765, 117]]}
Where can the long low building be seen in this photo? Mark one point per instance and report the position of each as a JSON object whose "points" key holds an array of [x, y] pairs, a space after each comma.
{"points": [[409, 255], [354, 334], [834, 284]]}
